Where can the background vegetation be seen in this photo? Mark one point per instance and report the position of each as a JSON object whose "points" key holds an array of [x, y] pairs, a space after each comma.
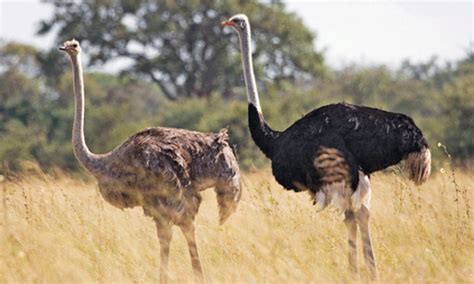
{"points": [[36, 105]]}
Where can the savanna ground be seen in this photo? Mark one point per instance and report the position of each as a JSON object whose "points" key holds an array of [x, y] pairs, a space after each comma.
{"points": [[57, 229]]}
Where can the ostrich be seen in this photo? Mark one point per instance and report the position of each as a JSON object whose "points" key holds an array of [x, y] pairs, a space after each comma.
{"points": [[162, 170], [332, 150]]}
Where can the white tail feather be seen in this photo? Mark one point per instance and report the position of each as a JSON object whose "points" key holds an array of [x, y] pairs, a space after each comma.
{"points": [[418, 165]]}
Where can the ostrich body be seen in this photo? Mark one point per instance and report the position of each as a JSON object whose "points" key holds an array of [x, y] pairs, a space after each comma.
{"points": [[332, 150], [162, 170]]}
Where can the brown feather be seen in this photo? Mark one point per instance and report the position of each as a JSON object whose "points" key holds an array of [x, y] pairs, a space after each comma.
{"points": [[164, 169]]}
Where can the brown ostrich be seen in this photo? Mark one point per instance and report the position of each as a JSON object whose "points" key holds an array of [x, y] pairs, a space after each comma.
{"points": [[162, 170]]}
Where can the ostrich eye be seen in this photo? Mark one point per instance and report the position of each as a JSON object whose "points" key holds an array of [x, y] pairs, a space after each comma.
{"points": [[74, 45], [242, 25]]}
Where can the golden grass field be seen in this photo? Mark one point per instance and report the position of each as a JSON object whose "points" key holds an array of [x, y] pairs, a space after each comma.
{"points": [[59, 230]]}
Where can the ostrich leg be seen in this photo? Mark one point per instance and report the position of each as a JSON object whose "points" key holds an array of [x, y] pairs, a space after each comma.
{"points": [[351, 224], [165, 233], [362, 217], [189, 233]]}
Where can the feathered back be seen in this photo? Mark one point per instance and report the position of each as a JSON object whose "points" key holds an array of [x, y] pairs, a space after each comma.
{"points": [[167, 168]]}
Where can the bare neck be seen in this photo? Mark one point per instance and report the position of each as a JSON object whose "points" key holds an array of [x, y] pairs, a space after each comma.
{"points": [[250, 82], [262, 134], [89, 160]]}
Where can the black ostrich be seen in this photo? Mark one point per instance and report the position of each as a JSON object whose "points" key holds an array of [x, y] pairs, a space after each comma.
{"points": [[332, 150]]}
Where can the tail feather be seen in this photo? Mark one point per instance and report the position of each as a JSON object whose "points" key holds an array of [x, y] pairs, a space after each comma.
{"points": [[418, 165], [228, 197], [227, 201]]}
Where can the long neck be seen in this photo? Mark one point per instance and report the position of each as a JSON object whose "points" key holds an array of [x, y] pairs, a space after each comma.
{"points": [[89, 160], [262, 134], [247, 62]]}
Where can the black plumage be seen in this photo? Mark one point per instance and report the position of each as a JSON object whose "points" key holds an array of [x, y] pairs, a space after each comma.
{"points": [[332, 150], [369, 139]]}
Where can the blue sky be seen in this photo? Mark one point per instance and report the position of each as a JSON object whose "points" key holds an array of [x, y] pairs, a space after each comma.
{"points": [[375, 32]]}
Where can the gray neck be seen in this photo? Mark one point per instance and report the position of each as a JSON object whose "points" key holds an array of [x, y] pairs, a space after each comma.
{"points": [[251, 84], [89, 160]]}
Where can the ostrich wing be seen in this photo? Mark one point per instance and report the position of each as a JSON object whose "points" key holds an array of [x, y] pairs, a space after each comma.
{"points": [[158, 158]]}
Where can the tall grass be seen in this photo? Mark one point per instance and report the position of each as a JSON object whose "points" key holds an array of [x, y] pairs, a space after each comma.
{"points": [[59, 230]]}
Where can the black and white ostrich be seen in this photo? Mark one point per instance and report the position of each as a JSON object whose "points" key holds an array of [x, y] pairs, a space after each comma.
{"points": [[332, 150]]}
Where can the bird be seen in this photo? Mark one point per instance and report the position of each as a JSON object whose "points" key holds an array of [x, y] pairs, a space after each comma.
{"points": [[331, 151], [163, 170]]}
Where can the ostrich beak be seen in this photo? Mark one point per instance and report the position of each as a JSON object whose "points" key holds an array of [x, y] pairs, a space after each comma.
{"points": [[227, 24], [63, 48]]}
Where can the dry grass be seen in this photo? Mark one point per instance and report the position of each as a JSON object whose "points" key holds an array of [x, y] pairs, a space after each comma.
{"points": [[57, 230]]}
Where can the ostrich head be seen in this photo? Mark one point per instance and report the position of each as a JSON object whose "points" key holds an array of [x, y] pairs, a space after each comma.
{"points": [[239, 22], [71, 47]]}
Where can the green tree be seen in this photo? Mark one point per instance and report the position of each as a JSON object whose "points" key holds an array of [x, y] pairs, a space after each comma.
{"points": [[457, 105], [181, 46]]}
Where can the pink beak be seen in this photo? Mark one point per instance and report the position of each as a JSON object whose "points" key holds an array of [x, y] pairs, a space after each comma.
{"points": [[227, 24]]}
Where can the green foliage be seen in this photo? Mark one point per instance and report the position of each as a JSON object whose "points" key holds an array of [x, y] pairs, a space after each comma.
{"points": [[36, 112], [457, 107], [181, 46], [16, 145]]}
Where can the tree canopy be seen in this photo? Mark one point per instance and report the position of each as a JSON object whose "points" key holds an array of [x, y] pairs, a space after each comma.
{"points": [[181, 46]]}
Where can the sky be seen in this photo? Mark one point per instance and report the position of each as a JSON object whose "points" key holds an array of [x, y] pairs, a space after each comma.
{"points": [[375, 32], [388, 32]]}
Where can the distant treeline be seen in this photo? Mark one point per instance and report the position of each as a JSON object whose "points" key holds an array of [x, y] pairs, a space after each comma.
{"points": [[36, 110]]}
